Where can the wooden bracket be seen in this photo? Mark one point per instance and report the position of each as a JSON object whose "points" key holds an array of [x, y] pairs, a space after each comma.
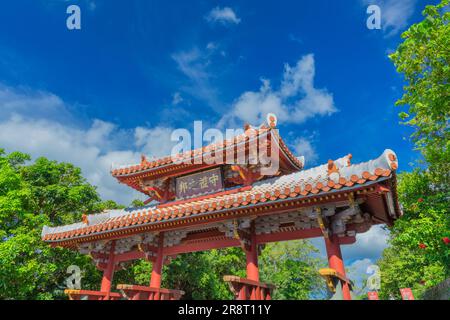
{"points": [[242, 235], [322, 223], [159, 194], [332, 277], [247, 176]]}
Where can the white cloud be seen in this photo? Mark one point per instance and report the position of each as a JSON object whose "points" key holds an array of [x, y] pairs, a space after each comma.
{"points": [[194, 65], [368, 245], [177, 98], [94, 149], [303, 147], [154, 142], [224, 15], [395, 14], [74, 145], [295, 101], [357, 272], [211, 46], [22, 100], [360, 266]]}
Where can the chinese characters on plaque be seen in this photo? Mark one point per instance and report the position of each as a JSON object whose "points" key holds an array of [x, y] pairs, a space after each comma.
{"points": [[204, 182]]}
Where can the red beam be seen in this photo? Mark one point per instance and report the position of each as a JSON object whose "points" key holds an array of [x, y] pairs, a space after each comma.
{"points": [[289, 235], [201, 246], [347, 240], [131, 255], [203, 235]]}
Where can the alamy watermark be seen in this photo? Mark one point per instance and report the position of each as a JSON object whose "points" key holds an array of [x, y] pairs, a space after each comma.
{"points": [[374, 20], [374, 280], [74, 280], [73, 21]]}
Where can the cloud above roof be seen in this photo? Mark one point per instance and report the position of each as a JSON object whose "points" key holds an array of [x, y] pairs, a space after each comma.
{"points": [[295, 101], [224, 16]]}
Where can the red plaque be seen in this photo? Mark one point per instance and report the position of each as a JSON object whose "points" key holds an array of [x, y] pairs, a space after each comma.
{"points": [[373, 295], [200, 183], [407, 294]]}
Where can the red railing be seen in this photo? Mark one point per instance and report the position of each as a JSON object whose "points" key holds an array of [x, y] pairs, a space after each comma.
{"points": [[92, 295], [245, 289], [134, 292]]}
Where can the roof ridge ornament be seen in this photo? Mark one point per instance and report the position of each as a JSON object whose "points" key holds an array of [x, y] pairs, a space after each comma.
{"points": [[271, 120], [85, 219], [144, 160]]}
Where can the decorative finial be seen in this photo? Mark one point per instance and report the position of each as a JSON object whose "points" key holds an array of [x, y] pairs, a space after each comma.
{"points": [[349, 159], [271, 120], [143, 159], [84, 219]]}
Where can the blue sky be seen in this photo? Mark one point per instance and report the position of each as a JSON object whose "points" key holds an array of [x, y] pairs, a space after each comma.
{"points": [[138, 69]]}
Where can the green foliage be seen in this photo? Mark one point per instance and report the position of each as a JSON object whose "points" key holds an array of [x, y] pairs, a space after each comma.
{"points": [[199, 274], [31, 196], [423, 58], [419, 256], [136, 203], [293, 269], [426, 217], [107, 205], [58, 190]]}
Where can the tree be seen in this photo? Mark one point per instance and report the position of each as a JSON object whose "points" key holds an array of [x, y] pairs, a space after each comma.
{"points": [[423, 59], [198, 274], [419, 252], [136, 203], [31, 196], [293, 269], [419, 256]]}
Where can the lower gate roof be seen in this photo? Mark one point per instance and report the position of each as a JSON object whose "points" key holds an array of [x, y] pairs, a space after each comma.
{"points": [[326, 179]]}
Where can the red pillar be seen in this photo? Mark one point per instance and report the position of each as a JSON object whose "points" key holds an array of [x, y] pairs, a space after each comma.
{"points": [[336, 262], [155, 281], [252, 264], [108, 273], [252, 258]]}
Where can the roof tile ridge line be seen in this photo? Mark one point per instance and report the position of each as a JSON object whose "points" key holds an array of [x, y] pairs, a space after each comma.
{"points": [[286, 150], [224, 147], [316, 171]]}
